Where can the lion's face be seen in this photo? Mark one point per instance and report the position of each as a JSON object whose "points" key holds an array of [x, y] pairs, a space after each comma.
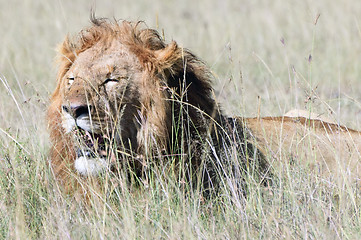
{"points": [[100, 100], [123, 94]]}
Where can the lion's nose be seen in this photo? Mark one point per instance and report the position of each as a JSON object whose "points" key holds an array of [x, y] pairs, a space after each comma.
{"points": [[77, 110]]}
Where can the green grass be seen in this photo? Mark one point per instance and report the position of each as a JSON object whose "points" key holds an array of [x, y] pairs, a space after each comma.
{"points": [[242, 43]]}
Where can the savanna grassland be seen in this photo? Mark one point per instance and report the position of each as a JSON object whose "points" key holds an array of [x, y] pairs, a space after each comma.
{"points": [[268, 57]]}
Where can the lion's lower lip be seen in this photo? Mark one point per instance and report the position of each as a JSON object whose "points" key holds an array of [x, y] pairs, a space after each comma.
{"points": [[85, 153], [90, 153]]}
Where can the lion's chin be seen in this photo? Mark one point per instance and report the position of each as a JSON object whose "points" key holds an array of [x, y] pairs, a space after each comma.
{"points": [[89, 166]]}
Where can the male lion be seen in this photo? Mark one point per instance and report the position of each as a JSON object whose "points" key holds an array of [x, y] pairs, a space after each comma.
{"points": [[126, 98]]}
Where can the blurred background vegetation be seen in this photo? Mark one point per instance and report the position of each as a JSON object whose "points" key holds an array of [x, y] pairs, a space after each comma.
{"points": [[291, 54]]}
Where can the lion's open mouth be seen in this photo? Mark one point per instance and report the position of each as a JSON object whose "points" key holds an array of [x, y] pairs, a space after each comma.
{"points": [[92, 153], [91, 145]]}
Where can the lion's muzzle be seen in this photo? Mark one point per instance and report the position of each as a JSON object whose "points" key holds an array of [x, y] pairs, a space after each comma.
{"points": [[76, 110], [90, 142]]}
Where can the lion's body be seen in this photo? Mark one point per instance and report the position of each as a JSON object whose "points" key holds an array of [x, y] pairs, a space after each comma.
{"points": [[124, 95], [327, 148]]}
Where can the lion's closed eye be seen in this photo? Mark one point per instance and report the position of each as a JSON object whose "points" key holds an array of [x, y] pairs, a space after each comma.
{"points": [[109, 83], [70, 80]]}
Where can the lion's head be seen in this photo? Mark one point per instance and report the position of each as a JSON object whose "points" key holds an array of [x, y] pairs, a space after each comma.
{"points": [[122, 90]]}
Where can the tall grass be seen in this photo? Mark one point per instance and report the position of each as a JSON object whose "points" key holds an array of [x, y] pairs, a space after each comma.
{"points": [[270, 55]]}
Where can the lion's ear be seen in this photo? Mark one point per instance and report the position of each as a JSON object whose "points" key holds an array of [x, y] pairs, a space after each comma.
{"points": [[168, 56], [158, 61]]}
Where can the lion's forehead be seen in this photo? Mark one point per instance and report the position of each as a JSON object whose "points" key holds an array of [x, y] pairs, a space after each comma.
{"points": [[97, 64], [100, 53]]}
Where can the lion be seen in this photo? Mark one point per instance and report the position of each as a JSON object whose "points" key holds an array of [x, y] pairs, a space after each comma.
{"points": [[124, 97]]}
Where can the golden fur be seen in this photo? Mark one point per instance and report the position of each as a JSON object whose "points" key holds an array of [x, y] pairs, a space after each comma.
{"points": [[134, 92], [329, 149]]}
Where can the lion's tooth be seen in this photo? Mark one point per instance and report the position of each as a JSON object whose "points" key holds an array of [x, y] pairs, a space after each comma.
{"points": [[102, 153], [89, 136]]}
